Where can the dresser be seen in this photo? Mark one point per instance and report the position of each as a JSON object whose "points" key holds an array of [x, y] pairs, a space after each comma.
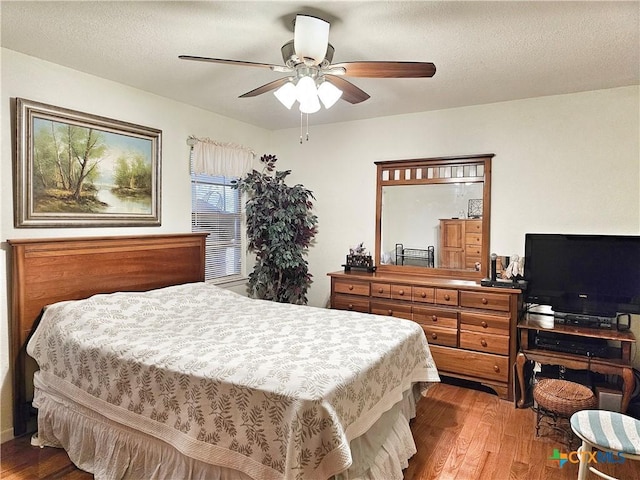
{"points": [[471, 329], [460, 243]]}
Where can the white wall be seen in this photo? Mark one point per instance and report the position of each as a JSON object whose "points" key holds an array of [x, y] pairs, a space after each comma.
{"points": [[566, 163], [33, 79]]}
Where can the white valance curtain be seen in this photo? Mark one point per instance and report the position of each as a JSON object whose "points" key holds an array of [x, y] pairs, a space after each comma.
{"points": [[217, 158]]}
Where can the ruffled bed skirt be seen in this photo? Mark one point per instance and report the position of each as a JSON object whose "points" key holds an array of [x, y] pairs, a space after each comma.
{"points": [[112, 451]]}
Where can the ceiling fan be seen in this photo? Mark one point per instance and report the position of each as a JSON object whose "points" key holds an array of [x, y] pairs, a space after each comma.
{"points": [[312, 77]]}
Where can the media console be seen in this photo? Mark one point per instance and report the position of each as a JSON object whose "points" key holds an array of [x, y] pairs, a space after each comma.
{"points": [[602, 350]]}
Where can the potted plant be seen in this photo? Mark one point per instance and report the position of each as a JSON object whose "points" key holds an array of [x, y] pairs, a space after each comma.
{"points": [[280, 229]]}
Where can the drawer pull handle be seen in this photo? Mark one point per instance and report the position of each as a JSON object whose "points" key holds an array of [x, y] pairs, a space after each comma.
{"points": [[350, 287], [351, 306], [380, 290], [483, 342], [423, 294], [447, 297], [400, 292], [434, 336], [485, 301], [496, 368], [484, 324], [434, 318], [390, 312]]}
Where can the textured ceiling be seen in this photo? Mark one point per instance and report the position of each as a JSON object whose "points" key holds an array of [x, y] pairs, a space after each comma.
{"points": [[484, 51]]}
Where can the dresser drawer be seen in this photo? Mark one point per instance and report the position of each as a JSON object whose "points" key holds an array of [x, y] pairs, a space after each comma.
{"points": [[381, 290], [473, 226], [488, 301], [423, 294], [473, 238], [350, 302], [391, 309], [484, 342], [445, 296], [485, 322], [484, 366], [441, 336], [352, 288], [435, 316], [401, 292], [473, 252]]}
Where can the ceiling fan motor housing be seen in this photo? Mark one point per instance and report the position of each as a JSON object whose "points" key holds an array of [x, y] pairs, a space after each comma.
{"points": [[291, 59]]}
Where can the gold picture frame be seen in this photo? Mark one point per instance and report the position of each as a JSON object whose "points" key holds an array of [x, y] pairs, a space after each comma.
{"points": [[74, 169]]}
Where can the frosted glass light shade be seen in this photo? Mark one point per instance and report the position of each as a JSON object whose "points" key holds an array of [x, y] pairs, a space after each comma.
{"points": [[286, 94], [310, 106], [306, 90], [311, 37], [329, 94]]}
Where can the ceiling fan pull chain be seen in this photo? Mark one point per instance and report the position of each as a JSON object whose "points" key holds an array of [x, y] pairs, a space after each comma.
{"points": [[300, 128], [307, 126]]}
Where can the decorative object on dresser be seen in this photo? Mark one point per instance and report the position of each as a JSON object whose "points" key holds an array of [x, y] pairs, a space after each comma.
{"points": [[359, 258]]}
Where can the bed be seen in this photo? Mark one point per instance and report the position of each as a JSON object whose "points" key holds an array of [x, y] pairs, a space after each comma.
{"points": [[189, 380]]}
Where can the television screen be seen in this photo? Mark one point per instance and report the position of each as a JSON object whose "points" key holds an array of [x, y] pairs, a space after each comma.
{"points": [[583, 274]]}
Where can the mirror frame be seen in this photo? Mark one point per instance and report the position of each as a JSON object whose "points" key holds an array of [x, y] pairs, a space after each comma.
{"points": [[426, 171]]}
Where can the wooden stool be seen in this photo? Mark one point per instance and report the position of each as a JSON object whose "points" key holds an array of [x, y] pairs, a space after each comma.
{"points": [[559, 399], [607, 431]]}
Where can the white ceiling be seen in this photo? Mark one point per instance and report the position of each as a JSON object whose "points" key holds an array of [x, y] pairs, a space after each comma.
{"points": [[484, 51]]}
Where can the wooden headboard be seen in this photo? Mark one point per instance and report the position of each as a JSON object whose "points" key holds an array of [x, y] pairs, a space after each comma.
{"points": [[45, 271]]}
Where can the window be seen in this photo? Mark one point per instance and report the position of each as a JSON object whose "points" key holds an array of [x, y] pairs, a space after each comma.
{"points": [[215, 208]]}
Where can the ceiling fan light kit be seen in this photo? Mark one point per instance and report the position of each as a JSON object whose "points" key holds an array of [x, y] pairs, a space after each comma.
{"points": [[308, 92]]}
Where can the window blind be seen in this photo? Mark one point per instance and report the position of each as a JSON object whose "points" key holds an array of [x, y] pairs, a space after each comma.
{"points": [[216, 209]]}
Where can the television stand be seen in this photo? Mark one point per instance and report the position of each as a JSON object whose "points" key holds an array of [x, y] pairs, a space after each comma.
{"points": [[613, 361]]}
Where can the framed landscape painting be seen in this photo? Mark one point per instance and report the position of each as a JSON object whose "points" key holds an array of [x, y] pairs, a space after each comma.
{"points": [[74, 169]]}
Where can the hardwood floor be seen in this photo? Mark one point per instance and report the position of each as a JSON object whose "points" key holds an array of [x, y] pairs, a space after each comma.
{"points": [[461, 434]]}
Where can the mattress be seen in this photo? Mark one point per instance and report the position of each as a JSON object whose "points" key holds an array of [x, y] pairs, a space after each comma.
{"points": [[259, 389]]}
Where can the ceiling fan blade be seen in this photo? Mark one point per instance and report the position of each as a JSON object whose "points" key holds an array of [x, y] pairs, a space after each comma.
{"points": [[277, 68], [265, 88], [350, 92], [387, 69]]}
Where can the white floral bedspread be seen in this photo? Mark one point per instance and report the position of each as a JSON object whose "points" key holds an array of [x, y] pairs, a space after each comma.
{"points": [[276, 391]]}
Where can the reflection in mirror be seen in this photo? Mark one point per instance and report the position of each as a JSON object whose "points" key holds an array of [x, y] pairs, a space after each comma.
{"points": [[411, 227]]}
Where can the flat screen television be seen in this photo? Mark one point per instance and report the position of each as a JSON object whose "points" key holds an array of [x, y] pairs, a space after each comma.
{"points": [[583, 274]]}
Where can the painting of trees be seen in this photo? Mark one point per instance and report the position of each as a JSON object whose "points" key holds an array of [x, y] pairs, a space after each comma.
{"points": [[78, 169], [70, 169]]}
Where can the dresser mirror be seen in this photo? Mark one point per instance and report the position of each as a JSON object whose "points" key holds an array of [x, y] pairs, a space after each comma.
{"points": [[433, 216]]}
